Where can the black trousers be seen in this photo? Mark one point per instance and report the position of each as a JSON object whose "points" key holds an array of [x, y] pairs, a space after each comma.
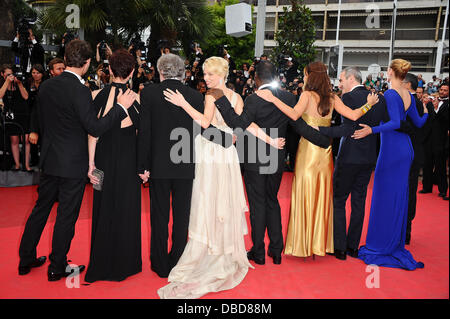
{"points": [[413, 185], [435, 163], [265, 212], [349, 179], [163, 261], [70, 192]]}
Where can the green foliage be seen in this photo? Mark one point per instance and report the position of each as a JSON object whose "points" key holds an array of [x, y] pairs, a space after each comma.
{"points": [[174, 20], [296, 35], [240, 49], [178, 21]]}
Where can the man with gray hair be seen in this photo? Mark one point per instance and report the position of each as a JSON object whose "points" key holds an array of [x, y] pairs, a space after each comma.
{"points": [[354, 164], [165, 127]]}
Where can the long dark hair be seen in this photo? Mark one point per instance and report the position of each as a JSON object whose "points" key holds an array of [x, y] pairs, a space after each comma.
{"points": [[319, 82]]}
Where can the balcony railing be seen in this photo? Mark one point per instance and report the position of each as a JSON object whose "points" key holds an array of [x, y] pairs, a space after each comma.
{"points": [[288, 2], [378, 34]]}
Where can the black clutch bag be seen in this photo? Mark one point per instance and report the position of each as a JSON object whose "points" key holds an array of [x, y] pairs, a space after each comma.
{"points": [[100, 175]]}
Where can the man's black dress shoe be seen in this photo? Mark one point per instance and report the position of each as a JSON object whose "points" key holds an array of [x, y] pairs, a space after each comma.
{"points": [[446, 198], [55, 276], [161, 274], [340, 254], [441, 195], [423, 191], [276, 259], [23, 270], [259, 261], [352, 252]]}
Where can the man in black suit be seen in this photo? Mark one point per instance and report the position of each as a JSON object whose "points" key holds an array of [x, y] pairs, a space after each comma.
{"points": [[66, 115], [263, 178], [29, 51], [411, 83], [435, 133], [166, 153], [355, 162]]}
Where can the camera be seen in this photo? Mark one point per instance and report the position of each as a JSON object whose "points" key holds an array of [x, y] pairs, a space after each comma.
{"points": [[193, 46], [68, 36], [222, 49], [19, 74], [102, 49], [146, 67], [283, 61], [23, 26], [92, 85]]}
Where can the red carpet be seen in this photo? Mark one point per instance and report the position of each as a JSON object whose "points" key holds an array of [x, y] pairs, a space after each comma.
{"points": [[324, 277]]}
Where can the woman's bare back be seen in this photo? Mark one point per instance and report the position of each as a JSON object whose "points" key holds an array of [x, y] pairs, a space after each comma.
{"points": [[312, 108]]}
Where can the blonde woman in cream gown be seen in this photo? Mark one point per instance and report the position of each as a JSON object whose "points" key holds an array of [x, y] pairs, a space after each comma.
{"points": [[215, 257], [310, 228]]}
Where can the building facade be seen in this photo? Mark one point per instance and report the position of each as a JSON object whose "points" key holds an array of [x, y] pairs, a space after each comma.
{"points": [[365, 31]]}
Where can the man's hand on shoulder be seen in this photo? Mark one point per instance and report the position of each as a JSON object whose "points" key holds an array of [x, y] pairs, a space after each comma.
{"points": [[126, 99], [215, 93]]}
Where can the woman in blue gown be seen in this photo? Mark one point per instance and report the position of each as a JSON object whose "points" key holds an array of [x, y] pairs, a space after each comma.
{"points": [[385, 242]]}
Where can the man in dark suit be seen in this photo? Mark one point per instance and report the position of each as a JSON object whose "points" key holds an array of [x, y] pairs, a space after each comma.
{"points": [[263, 178], [435, 133], [66, 115], [29, 51], [411, 84], [355, 162], [166, 152]]}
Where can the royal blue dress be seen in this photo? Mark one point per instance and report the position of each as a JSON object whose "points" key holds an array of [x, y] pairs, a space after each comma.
{"points": [[385, 242]]}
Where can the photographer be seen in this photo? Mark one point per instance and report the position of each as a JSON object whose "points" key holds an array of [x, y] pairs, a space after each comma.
{"points": [[202, 87], [240, 82], [145, 75], [102, 76], [15, 96], [28, 49], [189, 78], [103, 52], [32, 86], [249, 88], [67, 37], [291, 71]]}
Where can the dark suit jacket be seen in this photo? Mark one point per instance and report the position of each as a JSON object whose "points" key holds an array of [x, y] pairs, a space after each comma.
{"points": [[36, 57], [266, 115], [358, 151], [160, 119], [436, 127], [415, 133], [66, 117]]}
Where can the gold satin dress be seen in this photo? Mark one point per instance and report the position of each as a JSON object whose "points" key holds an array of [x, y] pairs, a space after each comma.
{"points": [[310, 230]]}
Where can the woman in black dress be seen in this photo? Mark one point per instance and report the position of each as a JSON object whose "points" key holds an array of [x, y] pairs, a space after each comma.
{"points": [[15, 96], [116, 212]]}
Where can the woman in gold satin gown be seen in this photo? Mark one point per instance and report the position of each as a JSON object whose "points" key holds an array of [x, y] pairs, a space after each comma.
{"points": [[310, 229]]}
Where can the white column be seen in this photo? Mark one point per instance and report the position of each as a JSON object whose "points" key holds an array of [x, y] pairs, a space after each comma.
{"points": [[437, 67], [338, 23], [394, 18], [260, 28]]}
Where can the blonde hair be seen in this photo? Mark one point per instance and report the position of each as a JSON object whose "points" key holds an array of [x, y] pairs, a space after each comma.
{"points": [[217, 66], [400, 68]]}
